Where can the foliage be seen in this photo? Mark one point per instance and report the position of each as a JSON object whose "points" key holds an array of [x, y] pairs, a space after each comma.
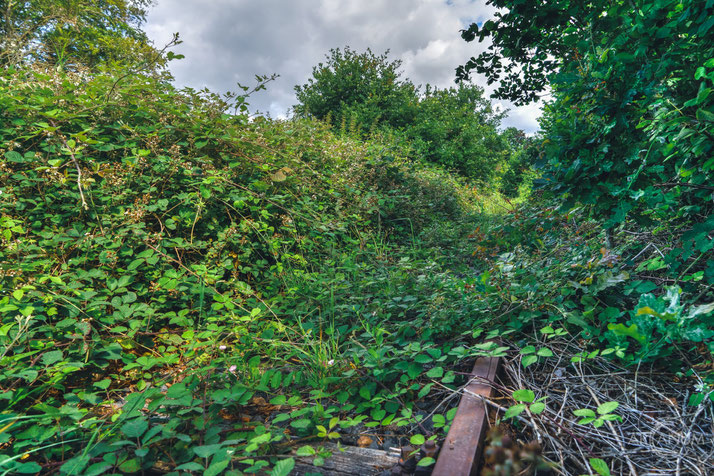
{"points": [[626, 140], [628, 132], [168, 268], [458, 129], [523, 154], [548, 272], [73, 34], [360, 88]]}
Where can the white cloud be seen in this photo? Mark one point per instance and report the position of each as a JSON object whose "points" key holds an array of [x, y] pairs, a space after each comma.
{"points": [[230, 41]]}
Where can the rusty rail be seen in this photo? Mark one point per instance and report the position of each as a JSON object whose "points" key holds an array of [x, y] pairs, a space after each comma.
{"points": [[461, 453]]}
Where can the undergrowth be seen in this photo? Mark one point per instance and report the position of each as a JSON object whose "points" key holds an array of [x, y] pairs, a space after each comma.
{"points": [[186, 291]]}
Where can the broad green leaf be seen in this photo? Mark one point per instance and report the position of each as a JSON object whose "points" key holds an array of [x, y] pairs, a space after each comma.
{"points": [[135, 428], [301, 423], [514, 411], [305, 451], [49, 358], [529, 360], [600, 466], [607, 407], [435, 372], [283, 467], [537, 408], [524, 395]]}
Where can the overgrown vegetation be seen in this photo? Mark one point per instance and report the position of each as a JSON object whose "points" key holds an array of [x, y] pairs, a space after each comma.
{"points": [[617, 250], [190, 290], [457, 128]]}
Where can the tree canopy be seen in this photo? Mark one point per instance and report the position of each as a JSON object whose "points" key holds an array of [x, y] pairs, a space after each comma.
{"points": [[73, 33], [453, 127], [361, 87], [629, 129]]}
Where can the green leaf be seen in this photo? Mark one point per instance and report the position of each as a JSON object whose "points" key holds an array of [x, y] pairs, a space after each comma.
{"points": [[600, 466], [13, 156], [537, 408], [75, 465], [584, 412], [278, 400], [696, 399], [524, 395], [425, 390], [514, 411], [426, 461], [207, 451], [283, 467], [545, 352], [438, 420], [306, 450], [705, 115], [27, 468], [217, 467], [417, 440], [130, 466], [436, 372], [365, 392], [135, 428], [423, 359], [49, 358], [301, 424], [607, 407], [529, 360]]}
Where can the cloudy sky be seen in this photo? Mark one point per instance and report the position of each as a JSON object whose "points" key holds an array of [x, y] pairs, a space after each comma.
{"points": [[230, 41]]}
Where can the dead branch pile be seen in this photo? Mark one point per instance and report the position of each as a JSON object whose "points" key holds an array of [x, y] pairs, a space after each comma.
{"points": [[660, 433]]}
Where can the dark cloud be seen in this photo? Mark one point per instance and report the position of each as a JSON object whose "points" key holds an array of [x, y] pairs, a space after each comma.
{"points": [[230, 41]]}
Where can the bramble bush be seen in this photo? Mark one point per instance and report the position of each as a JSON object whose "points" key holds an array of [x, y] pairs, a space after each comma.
{"points": [[168, 267]]}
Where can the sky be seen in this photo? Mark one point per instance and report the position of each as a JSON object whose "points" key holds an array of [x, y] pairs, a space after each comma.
{"points": [[226, 42]]}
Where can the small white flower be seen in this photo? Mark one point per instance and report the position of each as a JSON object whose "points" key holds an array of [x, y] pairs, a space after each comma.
{"points": [[331, 362], [222, 347], [232, 369]]}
